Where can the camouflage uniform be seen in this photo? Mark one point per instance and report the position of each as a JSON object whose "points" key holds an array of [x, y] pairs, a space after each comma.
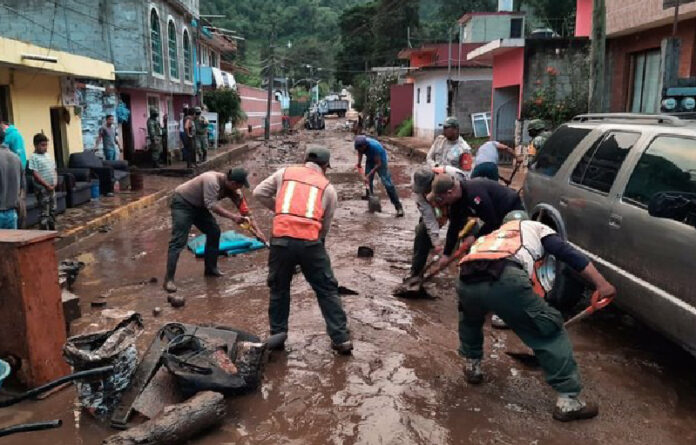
{"points": [[154, 136], [201, 137]]}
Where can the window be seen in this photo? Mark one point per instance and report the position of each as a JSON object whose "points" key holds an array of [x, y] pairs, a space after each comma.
{"points": [[601, 163], [557, 149], [418, 95], [481, 123], [427, 99], [668, 165], [516, 28], [156, 43], [646, 81], [187, 56], [213, 59], [173, 58]]}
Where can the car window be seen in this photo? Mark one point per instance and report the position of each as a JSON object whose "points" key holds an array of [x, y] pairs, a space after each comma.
{"points": [[598, 167], [557, 149], [668, 165]]}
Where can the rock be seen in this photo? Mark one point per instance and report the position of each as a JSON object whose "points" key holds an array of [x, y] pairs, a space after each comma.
{"points": [[157, 311], [153, 280], [98, 303], [176, 300]]}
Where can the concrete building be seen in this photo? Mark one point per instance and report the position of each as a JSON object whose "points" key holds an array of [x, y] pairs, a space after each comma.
{"points": [[36, 93], [644, 65], [150, 43], [444, 85], [479, 27]]}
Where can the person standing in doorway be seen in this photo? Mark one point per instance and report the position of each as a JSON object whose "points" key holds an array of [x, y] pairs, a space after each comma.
{"points": [[304, 203], [108, 135], [201, 124], [11, 183], [43, 170], [154, 137]]}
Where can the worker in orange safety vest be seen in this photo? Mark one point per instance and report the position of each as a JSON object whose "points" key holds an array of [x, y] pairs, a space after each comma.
{"points": [[497, 276], [304, 202]]}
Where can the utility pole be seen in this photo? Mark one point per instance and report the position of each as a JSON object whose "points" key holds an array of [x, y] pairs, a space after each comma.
{"points": [[598, 54], [270, 68]]}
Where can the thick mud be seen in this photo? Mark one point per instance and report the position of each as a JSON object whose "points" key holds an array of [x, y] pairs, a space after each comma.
{"points": [[403, 384]]}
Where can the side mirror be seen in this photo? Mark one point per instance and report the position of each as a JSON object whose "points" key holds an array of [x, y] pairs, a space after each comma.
{"points": [[679, 206]]}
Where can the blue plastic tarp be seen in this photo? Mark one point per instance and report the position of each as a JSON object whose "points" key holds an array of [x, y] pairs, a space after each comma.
{"points": [[231, 243]]}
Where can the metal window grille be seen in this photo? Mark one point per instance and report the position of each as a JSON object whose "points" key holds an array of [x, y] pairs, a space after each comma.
{"points": [[156, 43], [187, 57], [173, 57]]}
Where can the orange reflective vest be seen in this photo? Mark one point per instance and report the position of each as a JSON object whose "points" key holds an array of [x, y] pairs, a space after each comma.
{"points": [[466, 162], [299, 211], [501, 244]]}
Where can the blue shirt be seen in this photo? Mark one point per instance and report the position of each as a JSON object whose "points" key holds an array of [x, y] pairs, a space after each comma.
{"points": [[15, 141], [374, 149], [488, 152]]}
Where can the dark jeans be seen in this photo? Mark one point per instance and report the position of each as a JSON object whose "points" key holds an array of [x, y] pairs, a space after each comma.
{"points": [[385, 177], [537, 324], [285, 254], [421, 249], [486, 170], [184, 215]]}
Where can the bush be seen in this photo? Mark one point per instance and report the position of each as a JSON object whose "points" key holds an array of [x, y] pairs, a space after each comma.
{"points": [[405, 129], [227, 104]]}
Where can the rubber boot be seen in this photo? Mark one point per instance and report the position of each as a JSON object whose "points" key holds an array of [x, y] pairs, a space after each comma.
{"points": [[344, 348], [569, 407], [472, 371]]}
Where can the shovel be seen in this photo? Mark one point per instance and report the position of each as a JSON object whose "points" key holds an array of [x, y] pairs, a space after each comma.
{"points": [[374, 205], [414, 288], [596, 303]]}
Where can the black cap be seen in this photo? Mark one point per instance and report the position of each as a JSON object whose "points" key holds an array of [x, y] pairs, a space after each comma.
{"points": [[319, 155], [239, 175]]}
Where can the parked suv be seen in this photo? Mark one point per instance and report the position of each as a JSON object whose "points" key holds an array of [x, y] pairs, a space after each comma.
{"points": [[622, 189]]}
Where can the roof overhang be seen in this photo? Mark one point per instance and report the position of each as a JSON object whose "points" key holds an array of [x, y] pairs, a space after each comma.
{"points": [[494, 48], [23, 55], [408, 52], [467, 17]]}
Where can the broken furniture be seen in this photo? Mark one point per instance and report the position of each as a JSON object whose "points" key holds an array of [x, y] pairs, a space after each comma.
{"points": [[33, 208], [32, 325], [78, 184]]}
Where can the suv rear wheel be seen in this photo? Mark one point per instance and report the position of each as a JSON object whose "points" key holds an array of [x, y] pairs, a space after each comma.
{"points": [[566, 289]]}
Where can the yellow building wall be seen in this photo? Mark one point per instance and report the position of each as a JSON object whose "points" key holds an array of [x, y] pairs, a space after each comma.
{"points": [[32, 96]]}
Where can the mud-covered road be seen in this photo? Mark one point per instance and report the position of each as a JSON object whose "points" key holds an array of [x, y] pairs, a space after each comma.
{"points": [[403, 384]]}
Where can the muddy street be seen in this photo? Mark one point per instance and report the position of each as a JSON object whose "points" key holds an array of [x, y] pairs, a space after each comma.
{"points": [[404, 382]]}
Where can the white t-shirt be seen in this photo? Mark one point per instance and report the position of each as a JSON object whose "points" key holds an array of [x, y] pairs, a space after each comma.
{"points": [[488, 152], [532, 251]]}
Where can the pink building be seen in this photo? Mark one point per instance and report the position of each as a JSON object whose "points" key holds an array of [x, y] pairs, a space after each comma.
{"points": [[254, 102]]}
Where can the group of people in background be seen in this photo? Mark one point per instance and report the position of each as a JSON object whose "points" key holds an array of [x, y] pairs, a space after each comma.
{"points": [[15, 173], [193, 130]]}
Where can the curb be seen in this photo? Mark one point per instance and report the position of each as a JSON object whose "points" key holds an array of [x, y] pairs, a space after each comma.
{"points": [[122, 213], [210, 164], [409, 152]]}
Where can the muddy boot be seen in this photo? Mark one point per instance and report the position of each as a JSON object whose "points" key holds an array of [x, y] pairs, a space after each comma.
{"points": [[213, 272], [344, 348], [570, 407], [472, 371], [399, 212], [169, 286], [498, 322]]}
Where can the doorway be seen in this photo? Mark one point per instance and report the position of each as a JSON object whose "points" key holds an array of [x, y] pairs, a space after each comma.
{"points": [[59, 122], [127, 130]]}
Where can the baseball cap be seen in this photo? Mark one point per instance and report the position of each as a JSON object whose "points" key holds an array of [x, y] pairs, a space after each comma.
{"points": [[239, 175], [360, 141], [451, 122], [441, 185], [319, 155], [422, 180], [516, 215]]}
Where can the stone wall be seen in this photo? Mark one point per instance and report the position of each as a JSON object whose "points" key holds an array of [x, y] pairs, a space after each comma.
{"points": [[469, 97]]}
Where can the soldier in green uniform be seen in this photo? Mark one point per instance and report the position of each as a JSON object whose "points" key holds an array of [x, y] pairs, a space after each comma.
{"points": [[201, 135], [537, 131], [154, 137]]}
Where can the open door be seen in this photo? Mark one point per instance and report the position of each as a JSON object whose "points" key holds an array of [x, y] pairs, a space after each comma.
{"points": [[127, 131], [58, 136]]}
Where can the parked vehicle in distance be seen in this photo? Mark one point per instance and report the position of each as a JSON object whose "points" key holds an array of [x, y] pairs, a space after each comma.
{"points": [[314, 120], [334, 106], [622, 189]]}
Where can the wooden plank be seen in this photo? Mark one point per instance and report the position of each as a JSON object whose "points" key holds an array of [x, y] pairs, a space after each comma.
{"points": [[24, 237]]}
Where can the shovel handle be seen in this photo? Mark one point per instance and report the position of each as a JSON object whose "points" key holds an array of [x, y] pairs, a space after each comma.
{"points": [[458, 254]]}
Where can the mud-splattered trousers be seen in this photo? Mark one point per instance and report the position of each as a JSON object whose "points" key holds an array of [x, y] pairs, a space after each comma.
{"points": [[184, 215], [537, 324], [311, 256], [47, 208]]}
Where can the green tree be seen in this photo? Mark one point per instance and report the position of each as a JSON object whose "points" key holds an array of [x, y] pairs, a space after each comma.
{"points": [[357, 36], [227, 104], [390, 27]]}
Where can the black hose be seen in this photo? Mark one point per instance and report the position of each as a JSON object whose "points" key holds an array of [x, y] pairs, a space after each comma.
{"points": [[50, 385], [26, 427]]}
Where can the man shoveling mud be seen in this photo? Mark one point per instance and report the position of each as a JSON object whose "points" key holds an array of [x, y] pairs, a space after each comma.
{"points": [[376, 163], [496, 276], [192, 204], [304, 202]]}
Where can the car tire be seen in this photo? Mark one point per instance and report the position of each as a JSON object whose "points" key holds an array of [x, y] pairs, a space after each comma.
{"points": [[567, 291]]}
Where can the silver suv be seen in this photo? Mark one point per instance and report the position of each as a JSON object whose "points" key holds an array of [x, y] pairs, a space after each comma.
{"points": [[622, 189]]}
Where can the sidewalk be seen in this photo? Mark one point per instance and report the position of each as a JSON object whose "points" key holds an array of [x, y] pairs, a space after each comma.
{"points": [[100, 214]]}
